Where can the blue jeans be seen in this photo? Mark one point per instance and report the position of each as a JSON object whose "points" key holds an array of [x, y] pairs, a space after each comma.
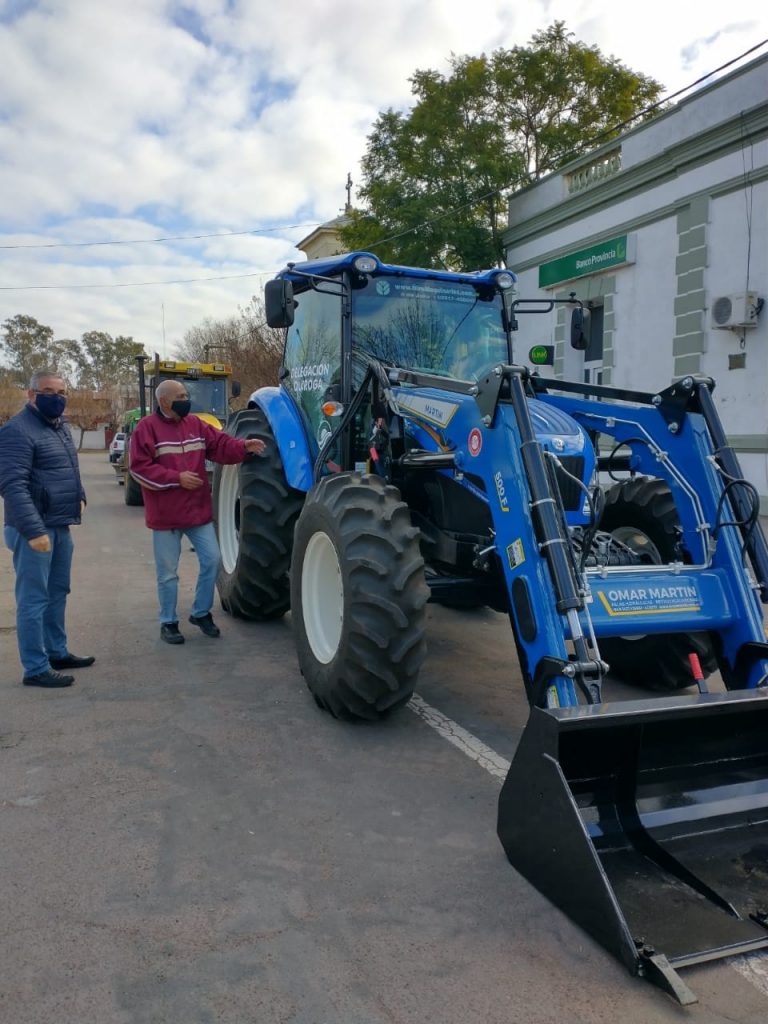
{"points": [[167, 548], [42, 585]]}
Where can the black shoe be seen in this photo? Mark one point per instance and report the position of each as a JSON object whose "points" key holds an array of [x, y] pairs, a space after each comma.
{"points": [[48, 679], [169, 631], [71, 661], [206, 624]]}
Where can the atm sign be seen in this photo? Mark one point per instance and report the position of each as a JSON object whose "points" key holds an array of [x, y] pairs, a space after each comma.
{"points": [[542, 355]]}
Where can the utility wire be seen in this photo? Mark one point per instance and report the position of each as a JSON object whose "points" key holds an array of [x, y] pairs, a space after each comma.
{"points": [[131, 284], [608, 132], [567, 157], [164, 238]]}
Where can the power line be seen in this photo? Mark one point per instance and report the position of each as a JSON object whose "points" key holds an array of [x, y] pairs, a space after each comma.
{"points": [[606, 133], [131, 284], [164, 238]]}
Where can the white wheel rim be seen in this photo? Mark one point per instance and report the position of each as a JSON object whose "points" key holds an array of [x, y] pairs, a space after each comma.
{"points": [[322, 597], [227, 516]]}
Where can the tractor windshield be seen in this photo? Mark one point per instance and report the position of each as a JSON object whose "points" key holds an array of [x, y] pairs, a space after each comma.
{"points": [[208, 394], [445, 327]]}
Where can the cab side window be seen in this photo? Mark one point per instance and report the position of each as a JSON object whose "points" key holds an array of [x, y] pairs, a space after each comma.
{"points": [[313, 353]]}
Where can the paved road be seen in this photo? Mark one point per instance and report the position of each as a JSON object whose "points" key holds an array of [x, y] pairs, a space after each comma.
{"points": [[186, 839]]}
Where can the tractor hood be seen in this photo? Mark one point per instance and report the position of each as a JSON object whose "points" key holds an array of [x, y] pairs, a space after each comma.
{"points": [[555, 429]]}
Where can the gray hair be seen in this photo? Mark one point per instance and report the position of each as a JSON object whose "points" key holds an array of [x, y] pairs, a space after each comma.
{"points": [[162, 389], [44, 374]]}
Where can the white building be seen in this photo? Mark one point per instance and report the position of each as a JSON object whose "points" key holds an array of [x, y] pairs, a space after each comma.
{"points": [[663, 232]]}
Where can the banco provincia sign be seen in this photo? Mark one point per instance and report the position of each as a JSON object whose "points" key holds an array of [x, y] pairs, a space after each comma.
{"points": [[614, 252]]}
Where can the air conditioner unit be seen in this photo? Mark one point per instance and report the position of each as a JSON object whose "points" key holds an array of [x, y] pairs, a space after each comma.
{"points": [[735, 312]]}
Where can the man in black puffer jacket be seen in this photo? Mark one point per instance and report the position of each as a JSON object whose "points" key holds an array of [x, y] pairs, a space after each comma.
{"points": [[40, 485]]}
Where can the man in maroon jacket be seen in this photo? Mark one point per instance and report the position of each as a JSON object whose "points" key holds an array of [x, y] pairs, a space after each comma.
{"points": [[168, 453]]}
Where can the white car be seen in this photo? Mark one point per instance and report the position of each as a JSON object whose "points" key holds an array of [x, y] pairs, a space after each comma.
{"points": [[117, 446]]}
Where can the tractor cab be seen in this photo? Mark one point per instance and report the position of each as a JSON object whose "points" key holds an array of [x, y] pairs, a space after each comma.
{"points": [[344, 312]]}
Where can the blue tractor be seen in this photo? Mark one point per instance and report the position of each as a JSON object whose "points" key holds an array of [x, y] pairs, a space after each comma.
{"points": [[410, 458]]}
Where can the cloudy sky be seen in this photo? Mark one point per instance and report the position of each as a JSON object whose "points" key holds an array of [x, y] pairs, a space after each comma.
{"points": [[128, 121]]}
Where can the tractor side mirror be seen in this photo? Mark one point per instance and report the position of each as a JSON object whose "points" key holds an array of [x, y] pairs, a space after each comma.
{"points": [[234, 389], [580, 328], [279, 303]]}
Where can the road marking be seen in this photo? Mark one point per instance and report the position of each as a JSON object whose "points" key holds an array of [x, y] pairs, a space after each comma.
{"points": [[752, 966], [465, 741]]}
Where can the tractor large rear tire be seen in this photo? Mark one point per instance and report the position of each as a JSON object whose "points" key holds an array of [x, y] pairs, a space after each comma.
{"points": [[641, 513], [255, 512], [132, 493], [358, 597]]}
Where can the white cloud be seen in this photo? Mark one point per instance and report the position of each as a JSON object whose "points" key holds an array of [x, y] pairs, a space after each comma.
{"points": [[148, 119]]}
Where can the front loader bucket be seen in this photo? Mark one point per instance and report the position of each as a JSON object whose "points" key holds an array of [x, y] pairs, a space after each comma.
{"points": [[646, 822]]}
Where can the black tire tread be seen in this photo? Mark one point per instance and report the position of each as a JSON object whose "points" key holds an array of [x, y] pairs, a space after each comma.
{"points": [[383, 640], [132, 493], [657, 661], [259, 586]]}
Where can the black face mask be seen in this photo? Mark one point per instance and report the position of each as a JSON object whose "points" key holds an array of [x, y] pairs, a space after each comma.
{"points": [[51, 406], [181, 407]]}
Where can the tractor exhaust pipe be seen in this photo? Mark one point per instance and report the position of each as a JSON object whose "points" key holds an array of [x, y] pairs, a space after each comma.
{"points": [[646, 822]]}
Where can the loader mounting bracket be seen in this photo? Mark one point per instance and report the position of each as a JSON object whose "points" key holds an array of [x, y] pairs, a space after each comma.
{"points": [[680, 398], [489, 389], [657, 969], [547, 669]]}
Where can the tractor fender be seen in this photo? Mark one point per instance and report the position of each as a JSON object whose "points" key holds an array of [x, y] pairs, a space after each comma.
{"points": [[289, 432]]}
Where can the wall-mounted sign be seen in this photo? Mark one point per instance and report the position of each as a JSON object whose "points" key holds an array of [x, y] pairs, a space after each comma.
{"points": [[614, 252], [542, 355]]}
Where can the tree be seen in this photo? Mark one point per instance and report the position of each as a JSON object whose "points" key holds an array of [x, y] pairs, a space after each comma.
{"points": [[104, 362], [12, 396], [253, 349], [96, 362], [436, 180], [87, 410], [30, 346]]}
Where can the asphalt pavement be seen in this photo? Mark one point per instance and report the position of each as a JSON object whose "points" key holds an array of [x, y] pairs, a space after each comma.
{"points": [[187, 839]]}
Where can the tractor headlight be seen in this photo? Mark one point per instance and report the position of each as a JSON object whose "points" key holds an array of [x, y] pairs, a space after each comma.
{"points": [[505, 280], [364, 264]]}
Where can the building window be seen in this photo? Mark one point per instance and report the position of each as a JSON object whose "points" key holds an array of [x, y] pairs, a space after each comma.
{"points": [[594, 350]]}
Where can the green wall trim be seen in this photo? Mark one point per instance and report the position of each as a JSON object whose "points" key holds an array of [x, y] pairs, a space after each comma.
{"points": [[691, 302], [688, 324], [748, 128], [695, 214], [688, 345], [693, 239], [749, 442], [687, 364], [691, 281], [695, 260]]}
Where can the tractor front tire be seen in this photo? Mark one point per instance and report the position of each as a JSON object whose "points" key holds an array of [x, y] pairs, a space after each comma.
{"points": [[358, 597], [255, 511], [641, 513]]}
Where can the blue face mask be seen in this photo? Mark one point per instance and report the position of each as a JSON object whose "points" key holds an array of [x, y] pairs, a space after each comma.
{"points": [[51, 406]]}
